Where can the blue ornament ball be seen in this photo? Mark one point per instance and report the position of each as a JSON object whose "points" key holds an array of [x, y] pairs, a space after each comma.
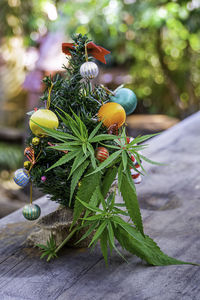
{"points": [[126, 98], [31, 212], [21, 177]]}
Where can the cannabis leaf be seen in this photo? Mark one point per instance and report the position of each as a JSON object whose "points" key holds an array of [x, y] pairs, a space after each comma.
{"points": [[48, 249]]}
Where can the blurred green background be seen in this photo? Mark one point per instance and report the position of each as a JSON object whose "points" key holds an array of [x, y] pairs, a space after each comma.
{"points": [[155, 47]]}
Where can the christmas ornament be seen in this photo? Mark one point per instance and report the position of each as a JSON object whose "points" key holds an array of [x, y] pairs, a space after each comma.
{"points": [[27, 164], [30, 154], [43, 178], [31, 211], [112, 113], [126, 98], [21, 177], [134, 174], [97, 52], [102, 154], [89, 70], [43, 117], [35, 141], [113, 129]]}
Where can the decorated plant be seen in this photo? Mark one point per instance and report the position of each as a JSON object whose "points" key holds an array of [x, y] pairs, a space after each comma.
{"points": [[78, 153]]}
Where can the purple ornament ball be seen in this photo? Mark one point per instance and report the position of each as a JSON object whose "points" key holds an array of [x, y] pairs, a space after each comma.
{"points": [[43, 178]]}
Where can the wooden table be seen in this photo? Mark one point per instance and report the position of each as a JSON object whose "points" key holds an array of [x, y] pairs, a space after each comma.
{"points": [[170, 201]]}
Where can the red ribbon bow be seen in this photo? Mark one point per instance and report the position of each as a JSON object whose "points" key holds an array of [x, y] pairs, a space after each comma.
{"points": [[97, 52]]}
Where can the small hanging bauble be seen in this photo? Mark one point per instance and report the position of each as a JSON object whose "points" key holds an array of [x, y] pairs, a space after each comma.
{"points": [[27, 164], [43, 178], [126, 98], [35, 141], [112, 113], [89, 70], [31, 212], [21, 177], [43, 117], [102, 154]]}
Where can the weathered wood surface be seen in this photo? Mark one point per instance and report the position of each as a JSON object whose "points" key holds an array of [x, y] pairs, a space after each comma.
{"points": [[170, 201]]}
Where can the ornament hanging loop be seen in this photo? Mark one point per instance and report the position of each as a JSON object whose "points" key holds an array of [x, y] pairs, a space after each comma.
{"points": [[31, 192], [49, 96], [109, 92], [86, 52]]}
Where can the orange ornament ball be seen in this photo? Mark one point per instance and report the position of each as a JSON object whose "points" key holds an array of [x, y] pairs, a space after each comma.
{"points": [[112, 113]]}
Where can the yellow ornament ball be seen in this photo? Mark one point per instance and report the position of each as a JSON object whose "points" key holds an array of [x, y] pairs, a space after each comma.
{"points": [[112, 113], [43, 117], [35, 141], [27, 164]]}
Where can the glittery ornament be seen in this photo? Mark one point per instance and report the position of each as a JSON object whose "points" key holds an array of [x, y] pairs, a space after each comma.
{"points": [[27, 164], [126, 98], [31, 212], [89, 70], [112, 113], [43, 178], [102, 154], [134, 174], [35, 141], [43, 117], [21, 177], [30, 154]]}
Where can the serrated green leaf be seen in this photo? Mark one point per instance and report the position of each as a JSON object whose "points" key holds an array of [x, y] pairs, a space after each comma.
{"points": [[64, 147], [140, 139], [98, 232], [103, 137], [43, 255], [112, 239], [130, 198], [145, 248], [110, 146], [107, 162], [92, 155], [81, 125], [63, 160], [42, 246], [77, 162], [120, 176], [71, 124], [59, 135], [76, 177], [104, 245], [88, 232], [124, 159], [94, 218], [94, 131], [89, 206], [151, 161], [108, 179], [85, 192]]}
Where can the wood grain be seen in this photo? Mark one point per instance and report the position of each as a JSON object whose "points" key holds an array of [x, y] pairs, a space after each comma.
{"points": [[170, 200]]}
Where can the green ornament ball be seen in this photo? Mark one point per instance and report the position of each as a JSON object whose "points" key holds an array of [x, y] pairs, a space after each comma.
{"points": [[126, 98], [31, 212]]}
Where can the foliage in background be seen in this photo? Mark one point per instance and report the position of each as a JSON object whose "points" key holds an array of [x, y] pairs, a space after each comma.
{"points": [[159, 40], [10, 156], [156, 42]]}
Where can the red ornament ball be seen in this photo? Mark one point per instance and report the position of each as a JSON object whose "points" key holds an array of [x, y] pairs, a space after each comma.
{"points": [[102, 154]]}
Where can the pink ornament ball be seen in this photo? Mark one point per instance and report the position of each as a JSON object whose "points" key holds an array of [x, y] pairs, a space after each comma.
{"points": [[43, 178]]}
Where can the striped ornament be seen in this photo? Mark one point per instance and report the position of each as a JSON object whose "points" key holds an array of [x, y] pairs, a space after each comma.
{"points": [[31, 212], [89, 70], [21, 177], [102, 154], [135, 175]]}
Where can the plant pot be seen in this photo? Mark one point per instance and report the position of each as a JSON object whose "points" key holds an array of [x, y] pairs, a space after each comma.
{"points": [[58, 224]]}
